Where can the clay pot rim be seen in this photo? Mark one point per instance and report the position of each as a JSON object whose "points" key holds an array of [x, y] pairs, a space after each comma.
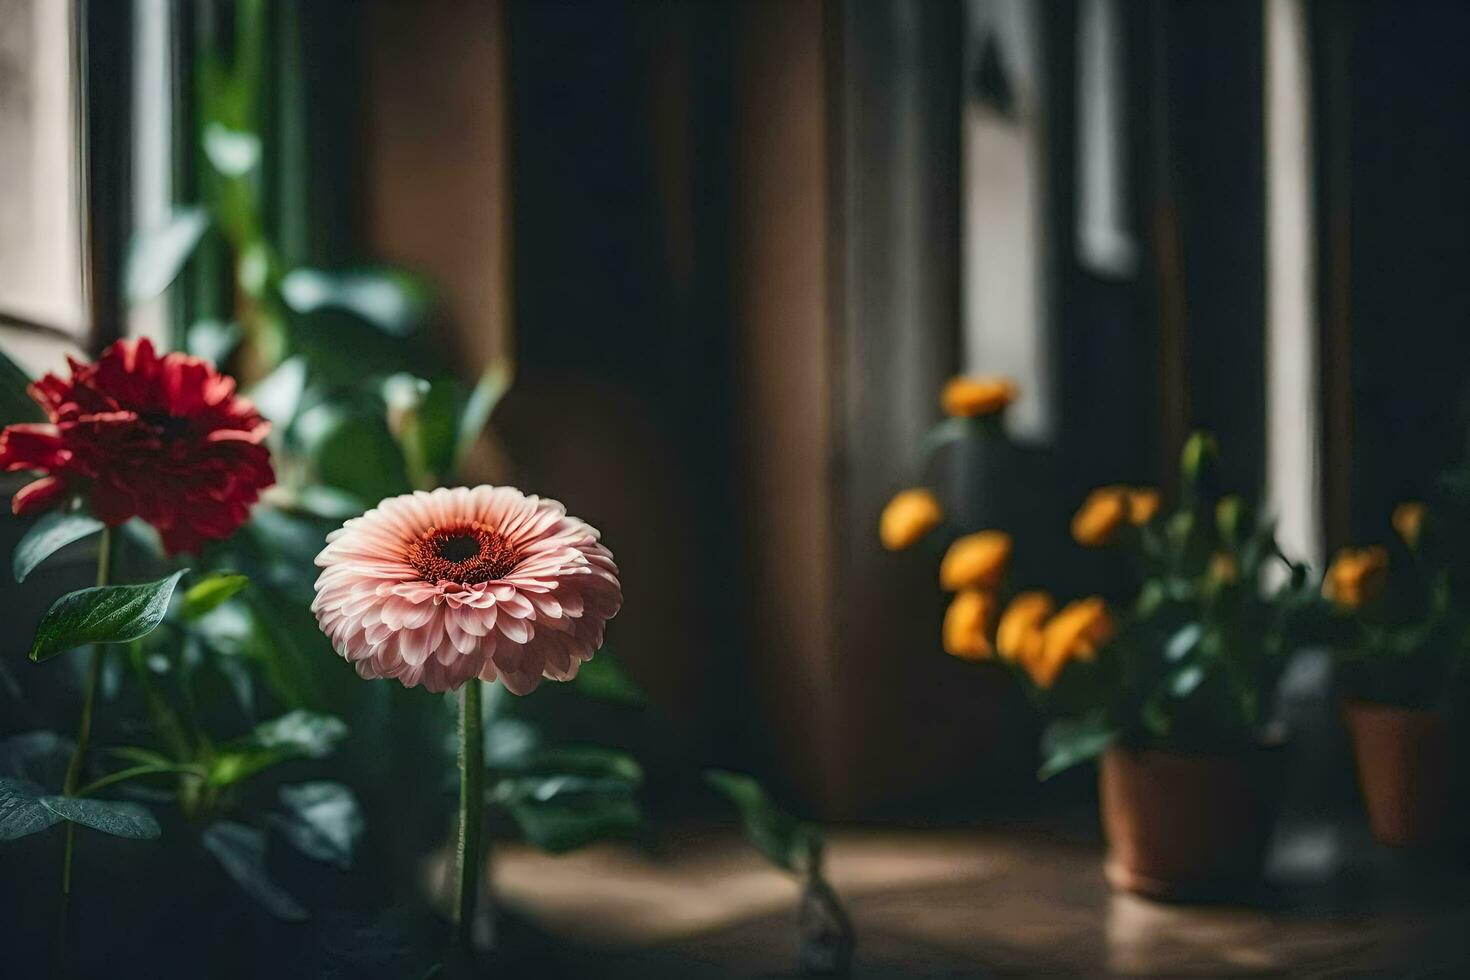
{"points": [[1273, 738], [1371, 706]]}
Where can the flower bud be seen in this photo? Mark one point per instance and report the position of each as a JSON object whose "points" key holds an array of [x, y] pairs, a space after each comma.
{"points": [[1229, 517], [1143, 504], [1197, 461], [1021, 626], [1100, 516], [1356, 577], [1408, 521], [975, 561], [967, 625], [973, 397], [909, 516]]}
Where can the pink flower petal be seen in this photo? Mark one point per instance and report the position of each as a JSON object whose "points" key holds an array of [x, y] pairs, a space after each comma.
{"points": [[535, 604]]}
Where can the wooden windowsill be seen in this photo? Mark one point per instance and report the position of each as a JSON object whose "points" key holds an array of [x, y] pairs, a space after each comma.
{"points": [[971, 903]]}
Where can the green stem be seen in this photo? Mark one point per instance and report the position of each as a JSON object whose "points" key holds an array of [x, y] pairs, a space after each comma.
{"points": [[84, 727], [125, 774], [468, 859]]}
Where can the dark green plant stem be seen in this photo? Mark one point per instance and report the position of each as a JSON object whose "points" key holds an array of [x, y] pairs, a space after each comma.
{"points": [[468, 859], [74, 769], [186, 769], [193, 795]]}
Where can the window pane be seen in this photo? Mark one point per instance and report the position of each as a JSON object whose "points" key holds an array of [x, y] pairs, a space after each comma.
{"points": [[40, 232]]}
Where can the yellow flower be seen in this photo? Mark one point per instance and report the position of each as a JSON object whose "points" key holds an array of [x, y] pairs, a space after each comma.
{"points": [[909, 516], [1143, 504], [1100, 516], [1356, 577], [967, 625], [975, 561], [1223, 569], [1020, 626], [1075, 633], [969, 397], [1408, 520]]}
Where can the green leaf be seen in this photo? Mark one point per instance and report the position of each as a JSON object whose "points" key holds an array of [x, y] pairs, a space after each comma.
{"points": [[1185, 639], [1155, 717], [422, 417], [302, 733], [49, 535], [254, 268], [389, 299], [157, 256], [21, 810], [352, 451], [230, 767], [559, 813], [15, 404], [213, 340], [605, 678], [210, 592], [105, 614], [1198, 461], [593, 761], [233, 152], [328, 503], [494, 382], [278, 395], [324, 821], [1184, 683], [284, 639], [511, 744], [299, 734], [1071, 741], [240, 850], [140, 756], [786, 842], [952, 430], [119, 819]]}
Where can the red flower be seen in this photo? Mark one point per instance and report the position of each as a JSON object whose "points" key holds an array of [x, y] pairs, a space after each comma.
{"points": [[161, 438]]}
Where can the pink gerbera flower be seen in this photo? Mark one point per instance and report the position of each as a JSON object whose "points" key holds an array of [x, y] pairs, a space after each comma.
{"points": [[436, 588]]}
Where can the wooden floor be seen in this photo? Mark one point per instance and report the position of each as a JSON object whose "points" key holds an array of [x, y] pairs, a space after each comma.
{"points": [[961, 903]]}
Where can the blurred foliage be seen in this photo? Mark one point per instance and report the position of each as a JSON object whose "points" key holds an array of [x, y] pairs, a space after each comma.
{"points": [[1408, 641], [1217, 610]]}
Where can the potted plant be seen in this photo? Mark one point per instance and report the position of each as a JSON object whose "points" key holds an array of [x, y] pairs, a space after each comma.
{"points": [[1170, 684], [1401, 643], [1178, 704]]}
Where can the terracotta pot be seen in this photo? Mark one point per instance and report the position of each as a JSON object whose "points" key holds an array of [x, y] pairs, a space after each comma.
{"points": [[1187, 826], [1403, 769]]}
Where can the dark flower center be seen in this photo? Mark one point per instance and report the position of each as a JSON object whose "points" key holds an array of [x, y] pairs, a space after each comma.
{"points": [[458, 549], [466, 554], [168, 427]]}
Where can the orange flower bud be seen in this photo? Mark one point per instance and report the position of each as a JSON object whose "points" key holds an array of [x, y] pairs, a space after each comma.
{"points": [[1223, 569], [967, 625], [975, 561], [1075, 633], [1100, 516], [1143, 504], [970, 397], [1356, 577], [1021, 625], [1408, 520], [909, 516]]}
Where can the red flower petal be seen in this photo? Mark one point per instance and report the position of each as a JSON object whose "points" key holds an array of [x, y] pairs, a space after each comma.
{"points": [[31, 446], [161, 438], [37, 496]]}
